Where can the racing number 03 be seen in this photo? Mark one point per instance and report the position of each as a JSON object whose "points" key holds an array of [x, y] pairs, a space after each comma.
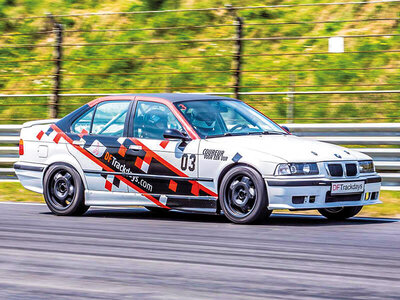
{"points": [[188, 161]]}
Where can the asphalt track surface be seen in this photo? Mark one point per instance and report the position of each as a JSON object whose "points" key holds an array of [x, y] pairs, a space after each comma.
{"points": [[134, 254]]}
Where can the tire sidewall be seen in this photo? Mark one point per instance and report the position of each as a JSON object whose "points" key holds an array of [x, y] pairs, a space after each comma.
{"points": [[260, 209], [77, 204]]}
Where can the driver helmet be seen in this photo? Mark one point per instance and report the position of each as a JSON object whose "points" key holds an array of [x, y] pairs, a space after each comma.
{"points": [[203, 119]]}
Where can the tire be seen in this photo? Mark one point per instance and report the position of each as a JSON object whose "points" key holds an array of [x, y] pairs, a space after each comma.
{"points": [[156, 210], [340, 213], [63, 191], [243, 196]]}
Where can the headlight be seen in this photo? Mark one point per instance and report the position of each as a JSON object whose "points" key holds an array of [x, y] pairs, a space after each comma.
{"points": [[366, 166], [297, 169]]}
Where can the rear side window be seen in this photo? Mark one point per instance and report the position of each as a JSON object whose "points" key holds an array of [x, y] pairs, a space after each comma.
{"points": [[109, 118], [83, 122]]}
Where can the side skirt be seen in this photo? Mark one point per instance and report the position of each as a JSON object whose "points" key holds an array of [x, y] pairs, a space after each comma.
{"points": [[188, 203]]}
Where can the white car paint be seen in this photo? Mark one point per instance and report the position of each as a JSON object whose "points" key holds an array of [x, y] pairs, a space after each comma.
{"points": [[213, 155]]}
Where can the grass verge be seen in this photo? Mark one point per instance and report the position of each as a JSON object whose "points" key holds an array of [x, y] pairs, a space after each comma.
{"points": [[13, 191]]}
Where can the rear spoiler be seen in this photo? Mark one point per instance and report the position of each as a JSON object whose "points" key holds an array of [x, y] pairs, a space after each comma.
{"points": [[39, 122]]}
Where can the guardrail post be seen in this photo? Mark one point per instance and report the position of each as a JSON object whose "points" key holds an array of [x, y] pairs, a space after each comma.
{"points": [[55, 98], [238, 49]]}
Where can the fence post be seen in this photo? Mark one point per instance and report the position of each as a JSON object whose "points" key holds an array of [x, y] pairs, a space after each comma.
{"points": [[290, 96], [55, 98], [238, 49]]}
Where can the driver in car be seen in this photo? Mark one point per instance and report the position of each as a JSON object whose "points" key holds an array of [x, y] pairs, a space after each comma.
{"points": [[204, 121]]}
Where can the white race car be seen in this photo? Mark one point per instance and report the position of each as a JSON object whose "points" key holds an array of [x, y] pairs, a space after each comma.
{"points": [[188, 152]]}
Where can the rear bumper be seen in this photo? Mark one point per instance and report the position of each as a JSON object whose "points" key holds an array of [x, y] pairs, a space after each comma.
{"points": [[30, 175], [315, 193]]}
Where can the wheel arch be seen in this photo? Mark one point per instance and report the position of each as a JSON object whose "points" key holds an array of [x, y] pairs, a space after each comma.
{"points": [[226, 170], [79, 171]]}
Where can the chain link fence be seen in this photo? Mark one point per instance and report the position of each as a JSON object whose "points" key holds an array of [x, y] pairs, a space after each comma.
{"points": [[52, 64]]}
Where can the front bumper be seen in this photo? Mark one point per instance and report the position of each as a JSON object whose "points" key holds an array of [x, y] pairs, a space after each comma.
{"points": [[290, 193]]}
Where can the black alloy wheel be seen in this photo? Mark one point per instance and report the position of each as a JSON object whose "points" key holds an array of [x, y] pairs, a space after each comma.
{"points": [[64, 191], [243, 195]]}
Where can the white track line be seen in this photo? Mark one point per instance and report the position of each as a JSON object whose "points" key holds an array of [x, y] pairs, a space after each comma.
{"points": [[276, 214], [21, 203]]}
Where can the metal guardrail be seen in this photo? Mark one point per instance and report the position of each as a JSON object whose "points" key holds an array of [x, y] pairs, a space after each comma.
{"points": [[9, 137], [366, 135], [378, 140]]}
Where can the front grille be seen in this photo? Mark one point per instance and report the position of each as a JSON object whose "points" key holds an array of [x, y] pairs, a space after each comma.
{"points": [[339, 198], [335, 170], [351, 169]]}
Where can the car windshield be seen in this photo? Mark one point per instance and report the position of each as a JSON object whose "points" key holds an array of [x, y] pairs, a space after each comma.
{"points": [[214, 118]]}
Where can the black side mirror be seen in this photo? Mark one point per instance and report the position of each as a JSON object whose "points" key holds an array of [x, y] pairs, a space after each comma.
{"points": [[286, 128], [175, 134]]}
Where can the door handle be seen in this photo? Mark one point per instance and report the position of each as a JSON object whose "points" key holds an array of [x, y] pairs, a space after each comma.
{"points": [[135, 147]]}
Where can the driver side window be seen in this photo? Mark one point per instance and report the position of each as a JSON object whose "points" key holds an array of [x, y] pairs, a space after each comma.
{"points": [[152, 119]]}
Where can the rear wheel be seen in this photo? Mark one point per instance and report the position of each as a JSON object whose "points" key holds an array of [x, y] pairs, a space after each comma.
{"points": [[243, 196], [63, 191], [340, 213]]}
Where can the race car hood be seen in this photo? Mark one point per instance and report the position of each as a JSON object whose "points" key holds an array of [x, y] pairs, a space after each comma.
{"points": [[290, 148]]}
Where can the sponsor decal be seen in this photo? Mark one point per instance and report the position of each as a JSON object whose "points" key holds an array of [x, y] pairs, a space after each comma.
{"points": [[213, 154], [142, 182], [347, 187], [97, 148], [115, 163]]}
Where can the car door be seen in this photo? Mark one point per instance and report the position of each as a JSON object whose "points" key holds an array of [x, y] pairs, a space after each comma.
{"points": [[99, 133], [165, 168]]}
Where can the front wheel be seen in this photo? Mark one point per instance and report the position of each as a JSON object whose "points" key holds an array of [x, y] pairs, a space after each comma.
{"points": [[63, 191], [243, 196], [340, 213]]}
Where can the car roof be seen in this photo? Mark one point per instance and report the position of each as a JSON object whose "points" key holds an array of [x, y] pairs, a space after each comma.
{"points": [[177, 97]]}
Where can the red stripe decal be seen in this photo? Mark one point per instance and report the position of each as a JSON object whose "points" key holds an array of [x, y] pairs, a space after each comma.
{"points": [[138, 162], [122, 150], [107, 168], [110, 98], [57, 138], [164, 144], [195, 188], [40, 135], [172, 185], [108, 185]]}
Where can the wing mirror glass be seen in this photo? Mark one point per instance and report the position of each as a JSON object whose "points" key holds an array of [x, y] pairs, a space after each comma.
{"points": [[175, 134]]}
